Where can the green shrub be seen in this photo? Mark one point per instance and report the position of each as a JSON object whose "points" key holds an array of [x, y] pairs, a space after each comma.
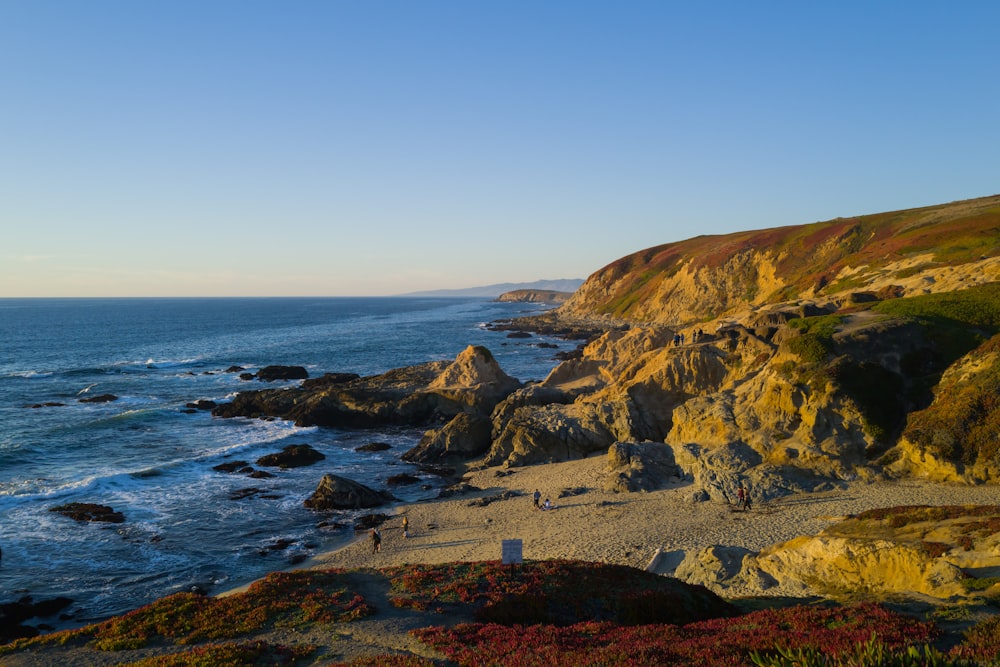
{"points": [[870, 654]]}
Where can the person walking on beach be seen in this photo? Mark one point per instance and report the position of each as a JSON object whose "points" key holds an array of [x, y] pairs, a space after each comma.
{"points": [[746, 500], [537, 497], [740, 497], [376, 541], [406, 527]]}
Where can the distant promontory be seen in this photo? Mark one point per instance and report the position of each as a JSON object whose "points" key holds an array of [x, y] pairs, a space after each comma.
{"points": [[535, 296]]}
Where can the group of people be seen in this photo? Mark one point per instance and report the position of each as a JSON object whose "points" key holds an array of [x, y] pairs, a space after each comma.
{"points": [[696, 336], [742, 498], [375, 535], [537, 497]]}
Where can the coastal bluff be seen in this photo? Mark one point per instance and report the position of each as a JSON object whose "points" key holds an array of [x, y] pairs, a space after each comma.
{"points": [[874, 359], [535, 296]]}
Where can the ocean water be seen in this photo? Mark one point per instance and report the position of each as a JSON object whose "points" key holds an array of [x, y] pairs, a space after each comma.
{"points": [[147, 457]]}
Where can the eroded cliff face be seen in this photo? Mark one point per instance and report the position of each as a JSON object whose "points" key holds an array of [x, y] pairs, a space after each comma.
{"points": [[724, 391], [793, 404]]}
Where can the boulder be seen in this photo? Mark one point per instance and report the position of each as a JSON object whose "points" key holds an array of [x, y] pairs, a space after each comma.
{"points": [[292, 456], [637, 466], [201, 404], [340, 493], [232, 466], [712, 566], [464, 437]]}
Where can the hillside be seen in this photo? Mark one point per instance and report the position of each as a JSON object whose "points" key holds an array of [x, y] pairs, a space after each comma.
{"points": [[935, 248]]}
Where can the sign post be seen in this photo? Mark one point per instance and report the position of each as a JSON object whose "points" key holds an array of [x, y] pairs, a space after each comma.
{"points": [[511, 553]]}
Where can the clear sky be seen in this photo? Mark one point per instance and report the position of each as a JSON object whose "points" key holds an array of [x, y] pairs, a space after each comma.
{"points": [[371, 147]]}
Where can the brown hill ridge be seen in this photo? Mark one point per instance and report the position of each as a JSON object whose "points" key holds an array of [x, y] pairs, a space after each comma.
{"points": [[915, 251]]}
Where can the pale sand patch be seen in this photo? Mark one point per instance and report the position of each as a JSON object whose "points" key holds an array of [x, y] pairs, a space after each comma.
{"points": [[626, 529]]}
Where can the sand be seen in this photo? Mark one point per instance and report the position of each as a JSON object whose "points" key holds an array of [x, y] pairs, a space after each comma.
{"points": [[628, 529], [591, 525]]}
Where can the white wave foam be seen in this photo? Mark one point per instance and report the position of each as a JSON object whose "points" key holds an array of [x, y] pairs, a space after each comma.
{"points": [[30, 375]]}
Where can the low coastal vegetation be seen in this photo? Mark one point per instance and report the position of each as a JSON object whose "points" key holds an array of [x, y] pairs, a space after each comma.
{"points": [[544, 613]]}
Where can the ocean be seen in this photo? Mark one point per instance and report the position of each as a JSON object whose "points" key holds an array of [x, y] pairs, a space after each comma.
{"points": [[148, 457]]}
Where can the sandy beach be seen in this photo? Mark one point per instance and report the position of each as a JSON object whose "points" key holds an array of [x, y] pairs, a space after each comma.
{"points": [[627, 529]]}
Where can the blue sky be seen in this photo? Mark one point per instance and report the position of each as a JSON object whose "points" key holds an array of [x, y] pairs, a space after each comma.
{"points": [[380, 147]]}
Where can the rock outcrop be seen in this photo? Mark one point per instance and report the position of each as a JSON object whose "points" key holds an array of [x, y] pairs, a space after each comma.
{"points": [[635, 466], [929, 551], [421, 395], [340, 493], [466, 436]]}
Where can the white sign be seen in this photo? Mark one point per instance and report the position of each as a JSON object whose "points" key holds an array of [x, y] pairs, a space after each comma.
{"points": [[510, 552]]}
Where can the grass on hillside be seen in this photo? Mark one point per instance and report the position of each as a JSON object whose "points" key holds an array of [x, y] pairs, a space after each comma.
{"points": [[954, 323]]}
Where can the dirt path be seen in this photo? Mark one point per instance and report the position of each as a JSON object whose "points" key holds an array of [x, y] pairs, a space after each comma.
{"points": [[387, 631]]}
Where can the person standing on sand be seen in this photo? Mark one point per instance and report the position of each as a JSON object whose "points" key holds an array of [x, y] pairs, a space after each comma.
{"points": [[406, 527], [376, 541], [740, 497], [537, 496]]}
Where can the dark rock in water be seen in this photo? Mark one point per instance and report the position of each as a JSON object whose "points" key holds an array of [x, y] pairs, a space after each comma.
{"points": [[373, 447], [103, 398], [278, 545], [89, 512], [399, 480], [272, 373], [13, 614], [202, 404], [50, 404], [246, 377], [519, 334], [240, 494], [231, 466], [235, 369], [292, 456], [259, 474], [340, 493]]}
